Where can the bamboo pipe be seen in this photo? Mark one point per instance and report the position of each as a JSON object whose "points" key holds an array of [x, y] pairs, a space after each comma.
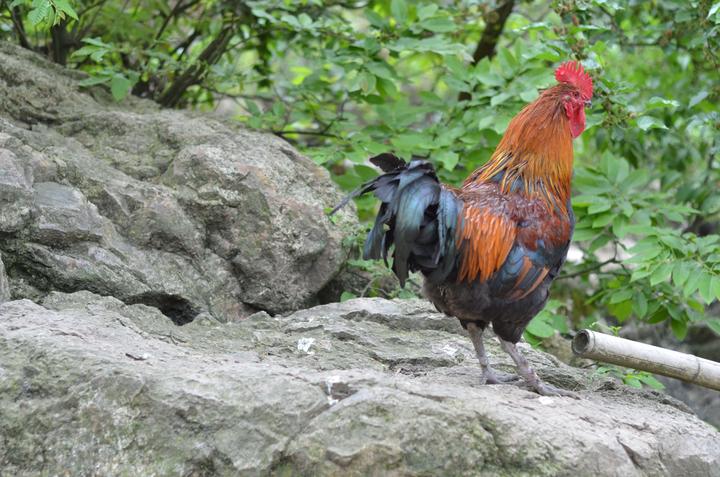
{"points": [[644, 357]]}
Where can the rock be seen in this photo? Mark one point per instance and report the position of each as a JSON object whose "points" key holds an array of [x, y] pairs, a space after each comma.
{"points": [[64, 216], [4, 285], [15, 192], [185, 213], [92, 386]]}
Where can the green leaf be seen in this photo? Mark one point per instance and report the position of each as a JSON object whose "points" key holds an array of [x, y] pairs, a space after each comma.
{"points": [[540, 328], [439, 25], [715, 287], [487, 77], [587, 199], [597, 208], [640, 305], [680, 274], [367, 82], [658, 102], [448, 159], [346, 295], [501, 123], [714, 9], [96, 42], [426, 11], [375, 19], [602, 220], [661, 274], [679, 328], [649, 122], [581, 235], [714, 325], [621, 295], [305, 20], [40, 13], [651, 381], [381, 70], [622, 310], [65, 7], [619, 226], [705, 288], [696, 99], [399, 10], [499, 99], [640, 274], [93, 80], [364, 172], [660, 316], [530, 95], [692, 283], [120, 87], [644, 251]]}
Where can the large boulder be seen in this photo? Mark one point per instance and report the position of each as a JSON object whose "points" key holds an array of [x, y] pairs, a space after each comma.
{"points": [[92, 386], [185, 213]]}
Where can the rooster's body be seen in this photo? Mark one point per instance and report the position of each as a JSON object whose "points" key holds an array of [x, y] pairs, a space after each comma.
{"points": [[490, 250]]}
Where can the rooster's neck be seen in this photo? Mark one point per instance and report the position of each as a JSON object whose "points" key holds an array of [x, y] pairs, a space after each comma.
{"points": [[535, 156]]}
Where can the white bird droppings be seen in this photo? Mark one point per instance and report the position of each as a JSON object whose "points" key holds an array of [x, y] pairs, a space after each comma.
{"points": [[329, 382], [304, 345]]}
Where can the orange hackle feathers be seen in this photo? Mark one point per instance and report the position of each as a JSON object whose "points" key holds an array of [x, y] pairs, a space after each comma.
{"points": [[534, 158], [488, 239], [572, 72], [537, 149]]}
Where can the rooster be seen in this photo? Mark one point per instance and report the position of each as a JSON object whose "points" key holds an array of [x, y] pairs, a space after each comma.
{"points": [[490, 249]]}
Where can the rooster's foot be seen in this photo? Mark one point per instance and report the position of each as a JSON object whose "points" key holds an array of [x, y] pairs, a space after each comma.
{"points": [[545, 389], [530, 376], [490, 376]]}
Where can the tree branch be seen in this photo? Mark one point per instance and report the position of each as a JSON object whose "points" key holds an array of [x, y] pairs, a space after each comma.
{"points": [[81, 33], [196, 71], [175, 12], [62, 41], [494, 25], [19, 27], [597, 266]]}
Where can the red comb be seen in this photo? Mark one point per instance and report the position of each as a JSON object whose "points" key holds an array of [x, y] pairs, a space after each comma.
{"points": [[572, 72]]}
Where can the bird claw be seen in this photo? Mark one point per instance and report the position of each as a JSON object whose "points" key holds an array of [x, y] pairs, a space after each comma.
{"points": [[490, 376], [545, 389]]}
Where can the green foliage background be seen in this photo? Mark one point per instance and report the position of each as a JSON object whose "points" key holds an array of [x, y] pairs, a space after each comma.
{"points": [[345, 80]]}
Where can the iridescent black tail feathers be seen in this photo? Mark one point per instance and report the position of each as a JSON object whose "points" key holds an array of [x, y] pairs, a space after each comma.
{"points": [[418, 216]]}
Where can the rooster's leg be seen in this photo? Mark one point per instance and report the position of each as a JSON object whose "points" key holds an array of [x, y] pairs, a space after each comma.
{"points": [[489, 375], [530, 376]]}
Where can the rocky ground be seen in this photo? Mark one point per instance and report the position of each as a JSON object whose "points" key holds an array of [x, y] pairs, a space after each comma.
{"points": [[152, 265], [91, 386]]}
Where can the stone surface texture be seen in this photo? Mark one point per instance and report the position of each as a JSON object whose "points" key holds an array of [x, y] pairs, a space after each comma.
{"points": [[185, 213], [92, 386]]}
